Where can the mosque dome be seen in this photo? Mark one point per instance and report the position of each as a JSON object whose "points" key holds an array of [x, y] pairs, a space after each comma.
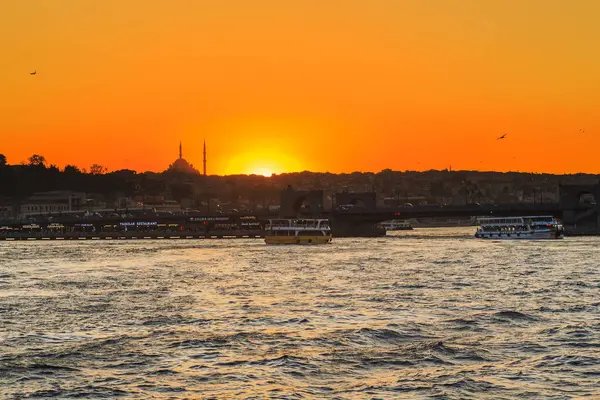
{"points": [[182, 165]]}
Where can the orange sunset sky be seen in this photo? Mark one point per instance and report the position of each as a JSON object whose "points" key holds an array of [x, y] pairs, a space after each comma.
{"points": [[321, 85]]}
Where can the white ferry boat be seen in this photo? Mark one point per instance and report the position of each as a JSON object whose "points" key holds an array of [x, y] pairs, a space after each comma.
{"points": [[396, 225], [544, 227], [298, 231]]}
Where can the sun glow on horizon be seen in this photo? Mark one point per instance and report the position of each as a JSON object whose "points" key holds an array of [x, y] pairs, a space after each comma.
{"points": [[261, 171], [267, 145], [259, 163], [265, 167], [262, 159]]}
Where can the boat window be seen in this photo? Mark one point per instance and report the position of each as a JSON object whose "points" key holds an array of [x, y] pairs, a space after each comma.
{"points": [[310, 233]]}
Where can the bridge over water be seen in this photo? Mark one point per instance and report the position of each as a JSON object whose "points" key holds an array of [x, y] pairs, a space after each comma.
{"points": [[353, 222], [362, 222], [360, 219]]}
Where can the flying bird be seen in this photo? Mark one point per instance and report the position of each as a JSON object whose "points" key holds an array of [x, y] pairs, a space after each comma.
{"points": [[502, 137], [33, 73]]}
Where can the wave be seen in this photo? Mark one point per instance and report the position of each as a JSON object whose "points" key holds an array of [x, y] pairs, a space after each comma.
{"points": [[36, 367], [552, 361], [174, 320], [390, 335], [472, 386], [513, 316], [220, 340], [462, 324], [283, 361], [163, 371]]}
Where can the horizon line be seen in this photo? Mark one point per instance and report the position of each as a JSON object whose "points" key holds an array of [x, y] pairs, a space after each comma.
{"points": [[326, 172]]}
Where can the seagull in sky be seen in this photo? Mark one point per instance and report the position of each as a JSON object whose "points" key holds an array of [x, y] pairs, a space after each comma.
{"points": [[502, 137], [33, 73]]}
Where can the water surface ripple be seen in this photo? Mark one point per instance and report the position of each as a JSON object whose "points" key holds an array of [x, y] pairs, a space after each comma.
{"points": [[424, 314]]}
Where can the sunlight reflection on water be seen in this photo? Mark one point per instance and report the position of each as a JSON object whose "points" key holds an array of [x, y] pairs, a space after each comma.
{"points": [[431, 312]]}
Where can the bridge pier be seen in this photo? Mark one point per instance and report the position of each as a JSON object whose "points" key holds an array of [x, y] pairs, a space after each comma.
{"points": [[581, 210], [349, 227]]}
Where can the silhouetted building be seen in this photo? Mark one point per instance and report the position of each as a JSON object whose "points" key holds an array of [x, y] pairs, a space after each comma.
{"points": [[204, 158], [181, 164]]}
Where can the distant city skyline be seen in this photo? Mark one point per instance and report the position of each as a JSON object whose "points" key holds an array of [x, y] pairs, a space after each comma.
{"points": [[322, 86]]}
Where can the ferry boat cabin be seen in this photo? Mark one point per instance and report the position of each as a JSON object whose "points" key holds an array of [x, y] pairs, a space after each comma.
{"points": [[537, 227], [298, 231]]}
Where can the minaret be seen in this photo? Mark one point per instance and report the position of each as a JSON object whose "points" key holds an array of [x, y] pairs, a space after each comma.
{"points": [[204, 158], [180, 151]]}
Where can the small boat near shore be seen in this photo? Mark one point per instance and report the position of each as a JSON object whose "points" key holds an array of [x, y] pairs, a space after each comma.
{"points": [[298, 231], [535, 227], [396, 225]]}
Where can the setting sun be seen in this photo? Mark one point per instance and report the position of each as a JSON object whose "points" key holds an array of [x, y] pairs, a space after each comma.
{"points": [[261, 171], [264, 167], [258, 145]]}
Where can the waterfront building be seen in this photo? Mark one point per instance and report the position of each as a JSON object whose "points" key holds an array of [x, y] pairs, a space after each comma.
{"points": [[55, 202]]}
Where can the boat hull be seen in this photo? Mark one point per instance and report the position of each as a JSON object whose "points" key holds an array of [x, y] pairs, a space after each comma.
{"points": [[298, 239], [518, 236]]}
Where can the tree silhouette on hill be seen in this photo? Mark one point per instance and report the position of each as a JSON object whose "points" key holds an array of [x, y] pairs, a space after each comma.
{"points": [[97, 169], [37, 160], [17, 182]]}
